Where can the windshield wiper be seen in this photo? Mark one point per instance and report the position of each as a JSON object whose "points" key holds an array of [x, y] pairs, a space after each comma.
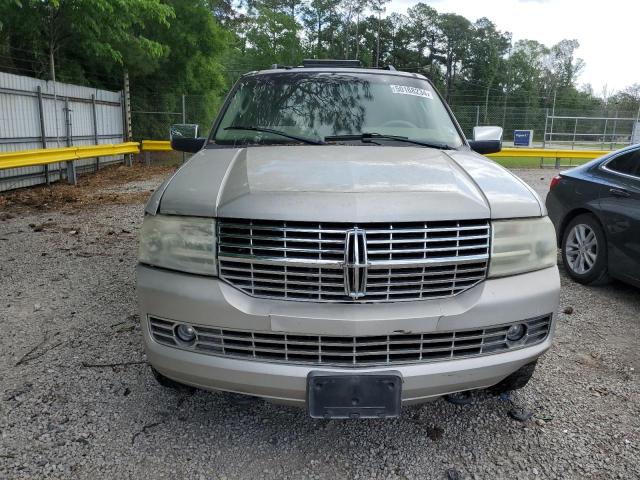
{"points": [[310, 141], [368, 136]]}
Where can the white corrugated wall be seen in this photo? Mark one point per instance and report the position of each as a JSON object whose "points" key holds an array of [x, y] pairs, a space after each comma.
{"points": [[20, 124]]}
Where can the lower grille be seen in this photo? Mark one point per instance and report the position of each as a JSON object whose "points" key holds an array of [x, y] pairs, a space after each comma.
{"points": [[347, 351]]}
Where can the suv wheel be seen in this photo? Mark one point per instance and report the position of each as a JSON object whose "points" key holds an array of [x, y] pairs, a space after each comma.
{"points": [[172, 384], [516, 380], [584, 250]]}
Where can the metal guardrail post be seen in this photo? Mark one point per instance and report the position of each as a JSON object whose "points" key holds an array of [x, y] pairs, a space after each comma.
{"points": [[95, 127], [43, 134], [71, 166]]}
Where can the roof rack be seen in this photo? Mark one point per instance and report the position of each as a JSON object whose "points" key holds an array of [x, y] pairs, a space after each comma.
{"points": [[315, 63]]}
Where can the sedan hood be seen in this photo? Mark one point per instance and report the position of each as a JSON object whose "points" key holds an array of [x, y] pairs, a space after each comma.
{"points": [[343, 184]]}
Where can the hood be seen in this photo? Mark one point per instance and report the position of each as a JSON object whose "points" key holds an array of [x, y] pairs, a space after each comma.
{"points": [[336, 183]]}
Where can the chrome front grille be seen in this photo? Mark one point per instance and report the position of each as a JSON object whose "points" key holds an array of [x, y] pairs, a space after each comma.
{"points": [[347, 351], [317, 261]]}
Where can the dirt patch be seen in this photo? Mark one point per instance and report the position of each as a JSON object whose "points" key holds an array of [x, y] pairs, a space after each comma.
{"points": [[92, 190]]}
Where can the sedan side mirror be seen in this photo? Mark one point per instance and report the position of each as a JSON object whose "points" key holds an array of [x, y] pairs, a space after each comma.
{"points": [[486, 140], [184, 138]]}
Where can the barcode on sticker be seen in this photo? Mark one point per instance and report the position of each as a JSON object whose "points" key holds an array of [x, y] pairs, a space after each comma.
{"points": [[418, 92]]}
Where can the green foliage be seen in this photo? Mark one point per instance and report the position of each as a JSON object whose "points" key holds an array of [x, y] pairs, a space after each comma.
{"points": [[273, 37], [171, 47], [168, 47]]}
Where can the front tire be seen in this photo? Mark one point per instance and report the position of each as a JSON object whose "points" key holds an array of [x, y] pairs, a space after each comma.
{"points": [[171, 384], [584, 250], [516, 380]]}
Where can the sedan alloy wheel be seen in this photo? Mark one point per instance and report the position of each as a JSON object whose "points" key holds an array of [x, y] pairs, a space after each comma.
{"points": [[581, 249]]}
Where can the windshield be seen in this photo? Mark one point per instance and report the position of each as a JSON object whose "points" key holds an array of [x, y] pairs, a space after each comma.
{"points": [[316, 105]]}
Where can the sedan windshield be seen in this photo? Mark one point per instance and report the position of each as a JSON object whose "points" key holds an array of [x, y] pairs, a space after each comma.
{"points": [[314, 107]]}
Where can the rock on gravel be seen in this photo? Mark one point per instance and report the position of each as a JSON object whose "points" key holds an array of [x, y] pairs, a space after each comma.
{"points": [[78, 401]]}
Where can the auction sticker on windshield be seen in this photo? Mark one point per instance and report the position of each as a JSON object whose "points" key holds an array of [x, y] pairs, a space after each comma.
{"points": [[418, 92]]}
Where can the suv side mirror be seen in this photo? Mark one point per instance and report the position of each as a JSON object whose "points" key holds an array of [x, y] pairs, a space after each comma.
{"points": [[184, 138], [486, 140]]}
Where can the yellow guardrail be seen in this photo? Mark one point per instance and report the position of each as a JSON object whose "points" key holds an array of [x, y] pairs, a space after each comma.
{"points": [[547, 153], [156, 146], [28, 158], [165, 146], [44, 156]]}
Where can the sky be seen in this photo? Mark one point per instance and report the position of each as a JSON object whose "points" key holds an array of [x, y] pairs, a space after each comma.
{"points": [[607, 31]]}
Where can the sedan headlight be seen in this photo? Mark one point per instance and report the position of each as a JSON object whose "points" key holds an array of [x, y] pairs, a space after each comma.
{"points": [[179, 243], [522, 245]]}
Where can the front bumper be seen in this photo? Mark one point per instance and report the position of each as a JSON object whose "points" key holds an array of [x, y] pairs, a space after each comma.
{"points": [[210, 302]]}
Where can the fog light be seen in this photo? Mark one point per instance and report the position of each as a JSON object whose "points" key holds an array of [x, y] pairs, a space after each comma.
{"points": [[516, 332], [186, 333]]}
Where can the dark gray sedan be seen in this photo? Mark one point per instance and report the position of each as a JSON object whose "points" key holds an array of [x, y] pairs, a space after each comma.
{"points": [[596, 211]]}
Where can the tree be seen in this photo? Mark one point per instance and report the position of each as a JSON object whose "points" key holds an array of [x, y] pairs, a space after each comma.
{"points": [[360, 7], [378, 7], [424, 31], [564, 68], [486, 59], [452, 47], [628, 100], [170, 47], [193, 30], [273, 37], [401, 50], [349, 9], [316, 15], [524, 79]]}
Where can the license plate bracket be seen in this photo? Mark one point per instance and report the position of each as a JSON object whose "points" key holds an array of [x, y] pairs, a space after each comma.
{"points": [[344, 395]]}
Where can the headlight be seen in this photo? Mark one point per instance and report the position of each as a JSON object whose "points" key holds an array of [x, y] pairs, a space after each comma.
{"points": [[179, 243], [523, 245]]}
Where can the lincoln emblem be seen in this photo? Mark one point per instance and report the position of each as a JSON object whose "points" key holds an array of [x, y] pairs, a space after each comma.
{"points": [[355, 263]]}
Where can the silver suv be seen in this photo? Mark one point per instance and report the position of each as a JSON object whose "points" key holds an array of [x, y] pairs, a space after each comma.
{"points": [[337, 243]]}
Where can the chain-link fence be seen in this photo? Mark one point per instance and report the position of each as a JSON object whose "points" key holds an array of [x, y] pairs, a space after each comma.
{"points": [[509, 118], [153, 114], [596, 131], [569, 128]]}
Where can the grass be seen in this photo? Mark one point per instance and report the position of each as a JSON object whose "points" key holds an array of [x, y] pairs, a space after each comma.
{"points": [[534, 162]]}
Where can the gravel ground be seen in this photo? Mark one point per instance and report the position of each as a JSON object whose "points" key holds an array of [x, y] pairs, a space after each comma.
{"points": [[68, 306]]}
